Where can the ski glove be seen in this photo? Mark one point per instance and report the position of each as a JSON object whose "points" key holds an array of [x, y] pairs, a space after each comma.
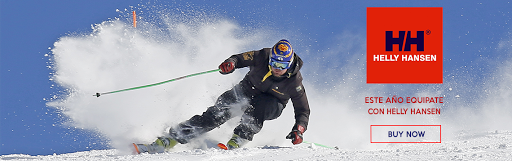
{"points": [[227, 67], [296, 134]]}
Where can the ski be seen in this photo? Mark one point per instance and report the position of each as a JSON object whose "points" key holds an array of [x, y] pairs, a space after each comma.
{"points": [[136, 148], [222, 146]]}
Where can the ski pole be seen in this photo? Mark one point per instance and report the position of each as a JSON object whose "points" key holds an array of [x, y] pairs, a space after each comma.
{"points": [[155, 84], [325, 146]]}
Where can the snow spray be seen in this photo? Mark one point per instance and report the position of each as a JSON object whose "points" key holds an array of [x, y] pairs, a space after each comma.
{"points": [[115, 55]]}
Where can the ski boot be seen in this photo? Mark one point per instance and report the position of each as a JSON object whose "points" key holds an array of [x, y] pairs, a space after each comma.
{"points": [[159, 146], [234, 143]]}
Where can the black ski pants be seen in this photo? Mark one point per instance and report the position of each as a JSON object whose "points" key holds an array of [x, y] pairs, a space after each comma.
{"points": [[234, 102]]}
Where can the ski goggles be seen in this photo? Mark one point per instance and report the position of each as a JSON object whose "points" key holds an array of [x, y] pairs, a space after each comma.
{"points": [[280, 64]]}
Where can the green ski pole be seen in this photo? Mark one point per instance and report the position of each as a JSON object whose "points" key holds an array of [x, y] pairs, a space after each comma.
{"points": [[155, 84], [325, 146]]}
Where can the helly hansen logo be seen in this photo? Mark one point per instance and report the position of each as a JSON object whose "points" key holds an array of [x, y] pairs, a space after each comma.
{"points": [[409, 50], [404, 41]]}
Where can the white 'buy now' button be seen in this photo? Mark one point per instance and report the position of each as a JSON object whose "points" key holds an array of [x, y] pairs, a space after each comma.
{"points": [[405, 133]]}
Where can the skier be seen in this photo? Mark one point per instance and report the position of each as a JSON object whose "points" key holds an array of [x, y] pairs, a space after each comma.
{"points": [[273, 79]]}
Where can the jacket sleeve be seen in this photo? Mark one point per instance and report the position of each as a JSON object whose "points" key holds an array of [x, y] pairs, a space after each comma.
{"points": [[301, 107], [248, 58]]}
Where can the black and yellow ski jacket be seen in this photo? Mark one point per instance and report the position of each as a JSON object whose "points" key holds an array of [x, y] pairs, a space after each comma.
{"points": [[260, 80]]}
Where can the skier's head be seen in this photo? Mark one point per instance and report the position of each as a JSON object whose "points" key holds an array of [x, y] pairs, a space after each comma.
{"points": [[282, 55]]}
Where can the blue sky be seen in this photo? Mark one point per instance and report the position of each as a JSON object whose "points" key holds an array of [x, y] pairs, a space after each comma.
{"points": [[472, 32]]}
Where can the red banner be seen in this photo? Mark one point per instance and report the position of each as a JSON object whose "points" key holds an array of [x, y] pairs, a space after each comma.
{"points": [[404, 45]]}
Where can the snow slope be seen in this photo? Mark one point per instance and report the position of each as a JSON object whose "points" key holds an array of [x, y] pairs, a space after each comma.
{"points": [[496, 145]]}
